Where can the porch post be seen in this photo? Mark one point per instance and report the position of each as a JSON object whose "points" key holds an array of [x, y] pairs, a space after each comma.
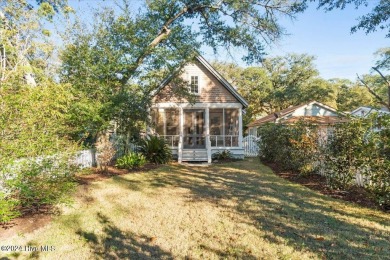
{"points": [[180, 146], [208, 144], [240, 130], [148, 128]]}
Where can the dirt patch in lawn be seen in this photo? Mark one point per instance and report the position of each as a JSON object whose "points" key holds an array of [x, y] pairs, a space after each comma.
{"points": [[317, 182], [25, 224]]}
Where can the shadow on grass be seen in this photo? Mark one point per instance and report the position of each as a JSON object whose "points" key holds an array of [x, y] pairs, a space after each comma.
{"points": [[117, 244], [287, 212]]}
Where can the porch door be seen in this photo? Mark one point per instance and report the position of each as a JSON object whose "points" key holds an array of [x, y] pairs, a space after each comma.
{"points": [[194, 129]]}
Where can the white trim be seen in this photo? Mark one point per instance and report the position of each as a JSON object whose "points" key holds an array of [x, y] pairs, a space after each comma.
{"points": [[224, 82], [200, 83], [181, 125], [208, 143], [196, 105], [164, 118], [240, 128]]}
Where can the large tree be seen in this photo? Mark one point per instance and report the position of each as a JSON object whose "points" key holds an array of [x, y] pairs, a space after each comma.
{"points": [[128, 53], [280, 82]]}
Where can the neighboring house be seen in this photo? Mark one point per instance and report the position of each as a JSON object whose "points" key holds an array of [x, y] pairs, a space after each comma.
{"points": [[314, 112], [365, 111], [212, 124]]}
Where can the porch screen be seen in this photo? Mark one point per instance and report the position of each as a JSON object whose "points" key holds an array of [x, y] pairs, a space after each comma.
{"points": [[224, 127], [166, 123]]}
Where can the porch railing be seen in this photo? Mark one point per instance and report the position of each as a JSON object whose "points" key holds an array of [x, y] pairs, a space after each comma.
{"points": [[224, 140], [171, 140]]}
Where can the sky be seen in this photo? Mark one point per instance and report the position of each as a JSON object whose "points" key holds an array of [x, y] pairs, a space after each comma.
{"points": [[325, 35]]}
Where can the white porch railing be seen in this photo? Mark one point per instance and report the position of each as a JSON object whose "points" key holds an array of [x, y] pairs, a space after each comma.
{"points": [[172, 140], [224, 140]]}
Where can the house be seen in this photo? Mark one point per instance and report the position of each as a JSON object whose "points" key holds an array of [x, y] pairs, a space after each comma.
{"points": [[196, 131], [366, 111], [314, 112]]}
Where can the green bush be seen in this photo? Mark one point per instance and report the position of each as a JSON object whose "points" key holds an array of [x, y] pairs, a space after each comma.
{"points": [[378, 183], [33, 183], [224, 155], [155, 150], [8, 208], [131, 161], [344, 153], [292, 147], [274, 144], [357, 146]]}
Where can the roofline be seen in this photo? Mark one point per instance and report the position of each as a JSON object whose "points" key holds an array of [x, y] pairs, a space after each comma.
{"points": [[298, 106], [370, 110], [224, 82]]}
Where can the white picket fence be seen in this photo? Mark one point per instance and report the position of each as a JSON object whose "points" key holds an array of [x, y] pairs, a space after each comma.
{"points": [[360, 179], [251, 147], [86, 158]]}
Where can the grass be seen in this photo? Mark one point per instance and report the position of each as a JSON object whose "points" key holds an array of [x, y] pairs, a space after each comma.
{"points": [[234, 210]]}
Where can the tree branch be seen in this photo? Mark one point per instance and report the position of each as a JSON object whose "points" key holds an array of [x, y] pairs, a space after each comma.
{"points": [[387, 82], [380, 100]]}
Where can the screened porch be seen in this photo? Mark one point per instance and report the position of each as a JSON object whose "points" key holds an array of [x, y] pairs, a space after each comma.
{"points": [[218, 126]]}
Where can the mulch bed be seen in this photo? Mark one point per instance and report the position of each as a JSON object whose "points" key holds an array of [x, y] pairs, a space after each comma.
{"points": [[317, 182]]}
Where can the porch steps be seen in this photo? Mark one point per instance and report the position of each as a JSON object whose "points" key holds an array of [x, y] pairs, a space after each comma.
{"points": [[198, 155]]}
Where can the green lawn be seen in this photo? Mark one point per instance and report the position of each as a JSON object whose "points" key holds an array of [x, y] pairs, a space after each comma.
{"points": [[234, 210]]}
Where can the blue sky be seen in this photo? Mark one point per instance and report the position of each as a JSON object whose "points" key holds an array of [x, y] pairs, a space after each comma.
{"points": [[325, 35]]}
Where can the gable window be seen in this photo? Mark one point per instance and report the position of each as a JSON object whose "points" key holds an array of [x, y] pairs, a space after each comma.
{"points": [[194, 86]]}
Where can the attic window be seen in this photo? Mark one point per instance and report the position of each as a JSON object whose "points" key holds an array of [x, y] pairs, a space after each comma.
{"points": [[194, 86]]}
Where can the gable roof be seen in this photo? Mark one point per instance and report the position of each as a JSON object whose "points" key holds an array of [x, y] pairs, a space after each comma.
{"points": [[282, 114], [365, 111], [216, 74]]}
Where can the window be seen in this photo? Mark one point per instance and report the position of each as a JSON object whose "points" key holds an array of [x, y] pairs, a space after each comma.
{"points": [[194, 87]]}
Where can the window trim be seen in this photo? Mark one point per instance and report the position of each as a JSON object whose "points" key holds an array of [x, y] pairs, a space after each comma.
{"points": [[198, 84]]}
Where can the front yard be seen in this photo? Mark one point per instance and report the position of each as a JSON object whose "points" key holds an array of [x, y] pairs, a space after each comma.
{"points": [[232, 210]]}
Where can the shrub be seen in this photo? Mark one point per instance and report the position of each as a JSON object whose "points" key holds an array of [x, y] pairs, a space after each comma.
{"points": [[44, 182], [33, 183], [131, 161], [291, 147], [8, 208], [378, 183], [344, 153], [357, 146], [274, 144], [303, 147], [224, 155], [105, 151], [155, 150]]}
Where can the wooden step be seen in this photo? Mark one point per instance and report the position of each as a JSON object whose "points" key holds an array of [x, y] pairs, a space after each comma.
{"points": [[198, 155]]}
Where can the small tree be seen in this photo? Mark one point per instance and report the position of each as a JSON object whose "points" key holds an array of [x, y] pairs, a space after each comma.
{"points": [[105, 152]]}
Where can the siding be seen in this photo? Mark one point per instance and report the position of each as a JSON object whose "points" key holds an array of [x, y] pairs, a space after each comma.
{"points": [[313, 110], [211, 90]]}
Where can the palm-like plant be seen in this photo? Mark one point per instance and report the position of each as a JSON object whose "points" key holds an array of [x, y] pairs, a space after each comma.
{"points": [[155, 150]]}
